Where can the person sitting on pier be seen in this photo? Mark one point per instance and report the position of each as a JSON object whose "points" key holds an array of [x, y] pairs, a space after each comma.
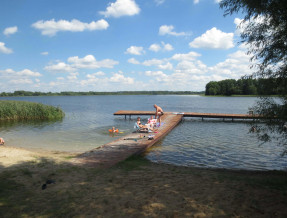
{"points": [[158, 113], [151, 122], [140, 127]]}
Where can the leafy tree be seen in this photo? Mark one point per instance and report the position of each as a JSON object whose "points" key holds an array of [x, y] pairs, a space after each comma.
{"points": [[265, 32], [228, 87], [212, 88], [248, 87]]}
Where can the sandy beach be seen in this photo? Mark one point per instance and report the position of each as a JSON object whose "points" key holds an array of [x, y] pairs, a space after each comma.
{"points": [[133, 188]]}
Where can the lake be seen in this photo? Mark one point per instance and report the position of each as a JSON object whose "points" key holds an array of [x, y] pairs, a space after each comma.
{"points": [[208, 143]]}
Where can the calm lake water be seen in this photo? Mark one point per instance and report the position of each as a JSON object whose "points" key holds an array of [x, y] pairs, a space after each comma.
{"points": [[208, 143]]}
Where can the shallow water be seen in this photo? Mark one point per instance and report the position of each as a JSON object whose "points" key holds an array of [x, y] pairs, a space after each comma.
{"points": [[208, 143]]}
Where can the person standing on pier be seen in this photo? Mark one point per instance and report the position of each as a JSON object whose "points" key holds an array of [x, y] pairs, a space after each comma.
{"points": [[158, 113]]}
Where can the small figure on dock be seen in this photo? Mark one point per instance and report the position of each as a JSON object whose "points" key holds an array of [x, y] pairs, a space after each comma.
{"points": [[151, 122], [2, 141], [140, 126], [158, 113]]}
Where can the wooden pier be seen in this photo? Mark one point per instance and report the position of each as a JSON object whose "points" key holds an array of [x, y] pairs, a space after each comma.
{"points": [[136, 143], [189, 114]]}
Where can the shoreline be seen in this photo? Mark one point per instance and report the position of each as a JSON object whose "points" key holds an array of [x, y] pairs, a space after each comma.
{"points": [[10, 155], [13, 155]]}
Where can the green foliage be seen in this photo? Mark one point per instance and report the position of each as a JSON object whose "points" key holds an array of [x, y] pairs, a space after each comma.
{"points": [[27, 93], [20, 110], [243, 86], [265, 34]]}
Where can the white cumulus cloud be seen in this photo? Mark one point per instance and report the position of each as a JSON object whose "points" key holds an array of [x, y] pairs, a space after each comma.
{"points": [[14, 78], [4, 49], [10, 30], [27, 72], [159, 76], [75, 63], [60, 67], [133, 61], [121, 8], [168, 30], [90, 62], [186, 57], [213, 39], [152, 62], [22, 73], [236, 65], [73, 76], [51, 27], [120, 78], [167, 66], [155, 47], [20, 81], [163, 47], [135, 50]]}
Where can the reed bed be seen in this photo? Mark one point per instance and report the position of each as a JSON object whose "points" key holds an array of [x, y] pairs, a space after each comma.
{"points": [[22, 110]]}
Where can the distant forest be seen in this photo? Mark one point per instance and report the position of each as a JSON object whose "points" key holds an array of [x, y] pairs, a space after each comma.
{"points": [[242, 87], [28, 93]]}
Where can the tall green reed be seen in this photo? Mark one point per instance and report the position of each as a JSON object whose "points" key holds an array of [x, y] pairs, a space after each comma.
{"points": [[21, 110]]}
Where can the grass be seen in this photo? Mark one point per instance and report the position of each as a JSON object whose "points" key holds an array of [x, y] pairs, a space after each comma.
{"points": [[132, 163], [21, 110]]}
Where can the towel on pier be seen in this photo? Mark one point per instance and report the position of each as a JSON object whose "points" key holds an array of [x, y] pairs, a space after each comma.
{"points": [[161, 124]]}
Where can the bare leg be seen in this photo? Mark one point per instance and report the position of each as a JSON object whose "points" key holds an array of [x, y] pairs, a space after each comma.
{"points": [[159, 116]]}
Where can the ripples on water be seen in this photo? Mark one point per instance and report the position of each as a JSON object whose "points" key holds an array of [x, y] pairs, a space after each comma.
{"points": [[216, 144], [208, 143]]}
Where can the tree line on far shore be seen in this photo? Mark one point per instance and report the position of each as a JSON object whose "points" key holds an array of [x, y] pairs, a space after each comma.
{"points": [[70, 93], [243, 86]]}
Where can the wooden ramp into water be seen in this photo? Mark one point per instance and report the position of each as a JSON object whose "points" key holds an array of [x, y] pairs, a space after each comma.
{"points": [[131, 144]]}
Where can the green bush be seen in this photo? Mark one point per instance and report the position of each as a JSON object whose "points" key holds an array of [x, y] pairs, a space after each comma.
{"points": [[21, 110]]}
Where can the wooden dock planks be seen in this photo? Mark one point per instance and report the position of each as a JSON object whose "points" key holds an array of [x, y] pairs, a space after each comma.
{"points": [[124, 147], [191, 114]]}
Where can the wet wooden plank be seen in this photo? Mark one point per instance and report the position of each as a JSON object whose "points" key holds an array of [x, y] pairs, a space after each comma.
{"points": [[127, 112], [219, 115]]}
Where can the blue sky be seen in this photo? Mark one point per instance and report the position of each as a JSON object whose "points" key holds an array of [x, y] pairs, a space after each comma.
{"points": [[117, 45]]}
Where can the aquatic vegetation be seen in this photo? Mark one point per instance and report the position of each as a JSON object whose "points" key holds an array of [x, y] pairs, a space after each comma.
{"points": [[21, 110]]}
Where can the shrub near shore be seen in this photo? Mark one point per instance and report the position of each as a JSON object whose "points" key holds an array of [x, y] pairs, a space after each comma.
{"points": [[21, 110]]}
